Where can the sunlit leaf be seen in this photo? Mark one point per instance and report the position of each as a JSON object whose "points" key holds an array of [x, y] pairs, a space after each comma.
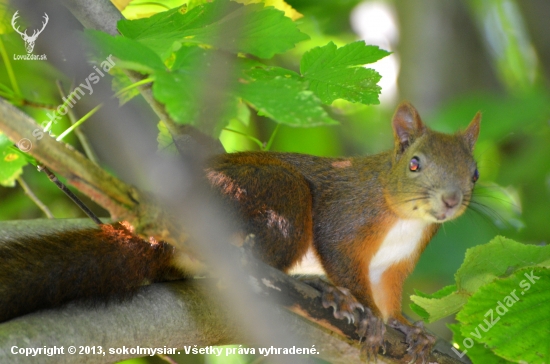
{"points": [[145, 8], [477, 353], [222, 24], [511, 317], [499, 257], [277, 4], [130, 54], [440, 304], [482, 265], [338, 73], [283, 96]]}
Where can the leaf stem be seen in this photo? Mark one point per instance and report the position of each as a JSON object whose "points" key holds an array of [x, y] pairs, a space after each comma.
{"points": [[271, 138], [79, 134], [134, 85], [82, 119], [257, 141]]}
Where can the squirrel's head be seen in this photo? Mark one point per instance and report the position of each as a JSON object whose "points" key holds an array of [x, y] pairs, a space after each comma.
{"points": [[433, 174]]}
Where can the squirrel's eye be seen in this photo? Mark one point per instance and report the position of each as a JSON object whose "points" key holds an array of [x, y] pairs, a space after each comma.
{"points": [[414, 164], [475, 177]]}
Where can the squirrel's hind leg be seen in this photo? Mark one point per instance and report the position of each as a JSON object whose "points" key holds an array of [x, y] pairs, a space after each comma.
{"points": [[272, 201], [420, 342]]}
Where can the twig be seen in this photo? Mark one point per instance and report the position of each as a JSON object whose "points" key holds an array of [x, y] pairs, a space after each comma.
{"points": [[114, 195], [34, 198], [124, 202], [69, 194], [88, 150]]}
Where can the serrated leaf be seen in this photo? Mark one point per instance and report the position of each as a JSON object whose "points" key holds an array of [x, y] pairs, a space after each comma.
{"points": [[478, 354], [498, 258], [180, 93], [445, 291], [11, 162], [281, 94], [223, 24], [130, 54], [482, 265], [191, 100], [511, 316], [338, 73]]}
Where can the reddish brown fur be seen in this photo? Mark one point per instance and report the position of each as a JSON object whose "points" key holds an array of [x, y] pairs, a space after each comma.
{"points": [[262, 200], [93, 265], [343, 208], [346, 207]]}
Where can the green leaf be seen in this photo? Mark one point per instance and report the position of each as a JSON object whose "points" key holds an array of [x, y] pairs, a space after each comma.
{"points": [[281, 94], [339, 73], [181, 95], [121, 81], [498, 258], [191, 100], [253, 29], [164, 139], [482, 265], [243, 114], [434, 309], [478, 354], [445, 291], [11, 162], [143, 8], [419, 310], [130, 54], [511, 316]]}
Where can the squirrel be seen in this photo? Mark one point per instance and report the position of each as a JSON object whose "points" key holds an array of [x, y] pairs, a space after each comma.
{"points": [[368, 220]]}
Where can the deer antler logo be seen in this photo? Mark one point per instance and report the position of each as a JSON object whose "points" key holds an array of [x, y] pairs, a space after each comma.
{"points": [[29, 40]]}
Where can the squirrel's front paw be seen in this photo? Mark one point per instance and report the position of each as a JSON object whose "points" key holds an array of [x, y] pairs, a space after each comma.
{"points": [[343, 303], [370, 328], [340, 299], [419, 341]]}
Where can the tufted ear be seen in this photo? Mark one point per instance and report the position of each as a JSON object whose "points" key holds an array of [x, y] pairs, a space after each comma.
{"points": [[472, 131], [407, 126]]}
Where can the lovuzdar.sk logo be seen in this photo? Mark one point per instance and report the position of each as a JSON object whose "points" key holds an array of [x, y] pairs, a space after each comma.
{"points": [[29, 39]]}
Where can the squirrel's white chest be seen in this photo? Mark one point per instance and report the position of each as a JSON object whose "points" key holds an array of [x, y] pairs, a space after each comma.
{"points": [[400, 242]]}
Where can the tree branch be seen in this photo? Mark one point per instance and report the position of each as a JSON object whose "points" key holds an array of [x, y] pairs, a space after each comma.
{"points": [[183, 313], [174, 314], [123, 201]]}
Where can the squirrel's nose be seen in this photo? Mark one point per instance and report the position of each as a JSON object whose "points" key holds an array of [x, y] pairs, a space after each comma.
{"points": [[451, 199]]}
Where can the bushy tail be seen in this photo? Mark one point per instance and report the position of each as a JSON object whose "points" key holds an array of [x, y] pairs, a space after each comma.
{"points": [[95, 265]]}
